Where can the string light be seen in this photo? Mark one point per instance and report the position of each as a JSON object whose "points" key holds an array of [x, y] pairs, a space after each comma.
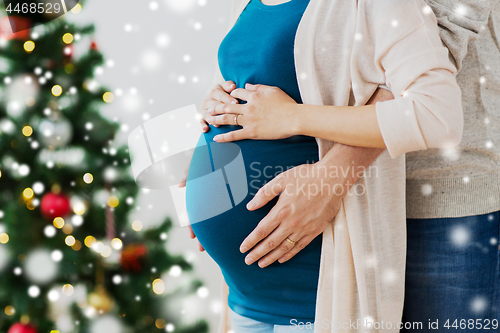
{"points": [[89, 241], [117, 279], [29, 46], [31, 204], [57, 90], [108, 97], [34, 291], [68, 290], [77, 246], [77, 220], [49, 231], [28, 193], [70, 240], [57, 255], [27, 130], [67, 38], [58, 222], [160, 323], [9, 310], [158, 286], [79, 208], [113, 201], [137, 225], [88, 178], [116, 243], [67, 229], [4, 238], [106, 251]]}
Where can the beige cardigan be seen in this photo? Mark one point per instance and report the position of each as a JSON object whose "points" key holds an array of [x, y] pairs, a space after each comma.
{"points": [[345, 49]]}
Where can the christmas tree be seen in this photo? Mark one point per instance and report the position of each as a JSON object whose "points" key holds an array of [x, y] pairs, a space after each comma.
{"points": [[70, 258]]}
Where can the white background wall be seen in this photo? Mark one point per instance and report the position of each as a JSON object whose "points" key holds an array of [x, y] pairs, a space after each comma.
{"points": [[163, 59]]}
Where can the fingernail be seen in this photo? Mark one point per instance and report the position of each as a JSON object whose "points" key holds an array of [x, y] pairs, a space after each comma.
{"points": [[251, 205], [210, 111], [243, 249], [232, 86], [248, 260], [216, 138], [262, 264], [205, 128], [281, 260], [233, 102], [249, 85]]}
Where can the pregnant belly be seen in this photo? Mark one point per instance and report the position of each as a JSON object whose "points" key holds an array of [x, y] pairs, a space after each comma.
{"points": [[223, 176], [221, 235]]}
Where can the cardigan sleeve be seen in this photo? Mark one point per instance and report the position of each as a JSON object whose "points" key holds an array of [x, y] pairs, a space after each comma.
{"points": [[461, 22], [427, 109]]}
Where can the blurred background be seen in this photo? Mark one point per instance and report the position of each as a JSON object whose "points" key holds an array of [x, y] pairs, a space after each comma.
{"points": [[157, 56], [163, 54]]}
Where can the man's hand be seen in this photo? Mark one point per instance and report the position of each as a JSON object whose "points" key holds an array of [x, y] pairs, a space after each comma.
{"points": [[309, 200], [304, 210]]}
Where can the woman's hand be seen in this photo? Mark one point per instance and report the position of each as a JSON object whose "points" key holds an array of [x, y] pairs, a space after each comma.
{"points": [[191, 232], [193, 236], [269, 114], [218, 95]]}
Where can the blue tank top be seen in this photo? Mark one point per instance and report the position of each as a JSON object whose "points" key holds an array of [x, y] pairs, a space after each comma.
{"points": [[259, 50]]}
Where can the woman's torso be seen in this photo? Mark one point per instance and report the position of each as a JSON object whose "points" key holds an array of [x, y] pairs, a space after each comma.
{"points": [[259, 50]]}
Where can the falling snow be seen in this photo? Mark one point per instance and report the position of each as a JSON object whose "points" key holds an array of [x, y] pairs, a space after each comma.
{"points": [[479, 304], [426, 189], [451, 153], [460, 236]]}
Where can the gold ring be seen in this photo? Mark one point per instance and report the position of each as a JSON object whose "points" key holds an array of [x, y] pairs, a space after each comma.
{"points": [[236, 119], [291, 241]]}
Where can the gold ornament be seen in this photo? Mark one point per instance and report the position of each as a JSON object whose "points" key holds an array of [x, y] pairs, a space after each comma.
{"points": [[100, 299]]}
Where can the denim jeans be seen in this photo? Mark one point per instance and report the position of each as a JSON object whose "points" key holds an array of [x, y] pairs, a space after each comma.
{"points": [[452, 274], [240, 324]]}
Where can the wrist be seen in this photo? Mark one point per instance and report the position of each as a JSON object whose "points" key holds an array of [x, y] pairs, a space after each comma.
{"points": [[337, 166], [296, 119], [331, 181]]}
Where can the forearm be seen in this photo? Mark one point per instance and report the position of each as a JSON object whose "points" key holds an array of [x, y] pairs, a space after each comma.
{"points": [[349, 125], [349, 162]]}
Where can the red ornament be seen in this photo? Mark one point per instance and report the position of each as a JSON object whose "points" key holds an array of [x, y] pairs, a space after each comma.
{"points": [[93, 46], [21, 328], [132, 257], [54, 205], [20, 24]]}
